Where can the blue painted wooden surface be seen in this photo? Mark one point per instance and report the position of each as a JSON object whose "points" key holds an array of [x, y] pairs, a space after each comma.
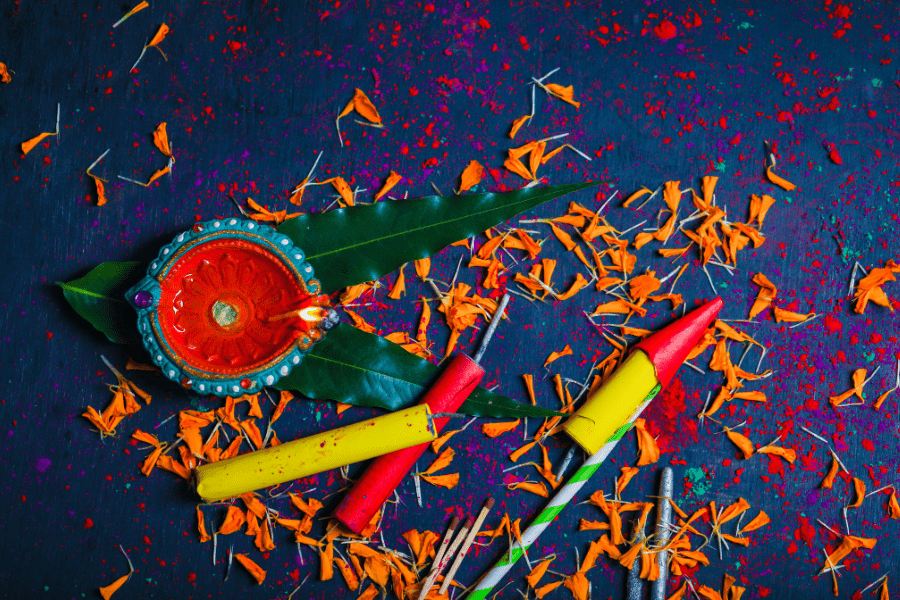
{"points": [[250, 91]]}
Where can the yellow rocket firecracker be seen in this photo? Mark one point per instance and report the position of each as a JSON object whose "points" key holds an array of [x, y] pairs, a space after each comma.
{"points": [[648, 369]]}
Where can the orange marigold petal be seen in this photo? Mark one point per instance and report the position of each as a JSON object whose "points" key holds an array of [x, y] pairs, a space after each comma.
{"points": [[101, 190], [370, 594], [742, 442], [538, 572], [343, 189], [567, 351], [29, 145], [647, 446], [576, 286], [393, 179], [493, 430], [446, 481], [234, 520], [471, 176], [791, 317], [893, 505], [566, 94], [530, 486], [364, 106], [859, 487], [161, 139], [517, 124], [785, 453], [627, 474], [780, 181], [399, 288], [760, 520], [514, 165], [577, 583], [156, 175], [161, 34], [254, 569], [828, 482], [443, 460], [111, 589]]}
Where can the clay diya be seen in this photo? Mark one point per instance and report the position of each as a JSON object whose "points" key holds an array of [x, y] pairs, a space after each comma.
{"points": [[229, 307]]}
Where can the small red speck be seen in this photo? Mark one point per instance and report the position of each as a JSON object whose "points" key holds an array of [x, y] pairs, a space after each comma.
{"points": [[484, 23], [413, 91], [109, 90], [192, 577], [835, 157], [429, 8], [88, 523], [235, 46], [147, 540], [49, 335]]}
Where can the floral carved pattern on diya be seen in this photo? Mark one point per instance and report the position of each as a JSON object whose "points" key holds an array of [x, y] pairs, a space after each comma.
{"points": [[229, 307]]}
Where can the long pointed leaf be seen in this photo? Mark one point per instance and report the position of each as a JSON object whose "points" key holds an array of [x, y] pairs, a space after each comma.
{"points": [[97, 297], [364, 369], [351, 245]]}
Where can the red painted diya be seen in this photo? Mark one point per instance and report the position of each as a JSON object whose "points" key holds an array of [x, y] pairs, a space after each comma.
{"points": [[229, 307]]}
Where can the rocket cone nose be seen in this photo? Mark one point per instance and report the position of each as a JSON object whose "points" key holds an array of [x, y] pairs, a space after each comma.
{"points": [[668, 348]]}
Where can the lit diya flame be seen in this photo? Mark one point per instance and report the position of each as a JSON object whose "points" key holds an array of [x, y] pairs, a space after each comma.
{"points": [[322, 317]]}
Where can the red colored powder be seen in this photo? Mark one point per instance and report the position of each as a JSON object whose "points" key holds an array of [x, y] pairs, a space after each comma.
{"points": [[666, 418], [832, 324], [776, 466], [665, 30]]}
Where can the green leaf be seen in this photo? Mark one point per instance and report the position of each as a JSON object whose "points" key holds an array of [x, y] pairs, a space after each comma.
{"points": [[364, 369], [352, 245], [98, 298]]}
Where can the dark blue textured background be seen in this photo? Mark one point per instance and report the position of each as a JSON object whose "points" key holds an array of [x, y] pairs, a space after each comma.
{"points": [[250, 91]]}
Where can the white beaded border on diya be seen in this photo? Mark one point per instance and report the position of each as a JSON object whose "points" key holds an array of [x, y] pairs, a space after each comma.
{"points": [[162, 355]]}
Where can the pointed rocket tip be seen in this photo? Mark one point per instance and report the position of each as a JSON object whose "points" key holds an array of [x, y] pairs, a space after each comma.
{"points": [[668, 348]]}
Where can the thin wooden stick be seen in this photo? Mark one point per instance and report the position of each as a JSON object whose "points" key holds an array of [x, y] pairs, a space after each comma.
{"points": [[488, 505], [442, 551], [436, 571]]}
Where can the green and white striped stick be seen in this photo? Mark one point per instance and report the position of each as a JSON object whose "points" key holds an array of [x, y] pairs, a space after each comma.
{"points": [[565, 494]]}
